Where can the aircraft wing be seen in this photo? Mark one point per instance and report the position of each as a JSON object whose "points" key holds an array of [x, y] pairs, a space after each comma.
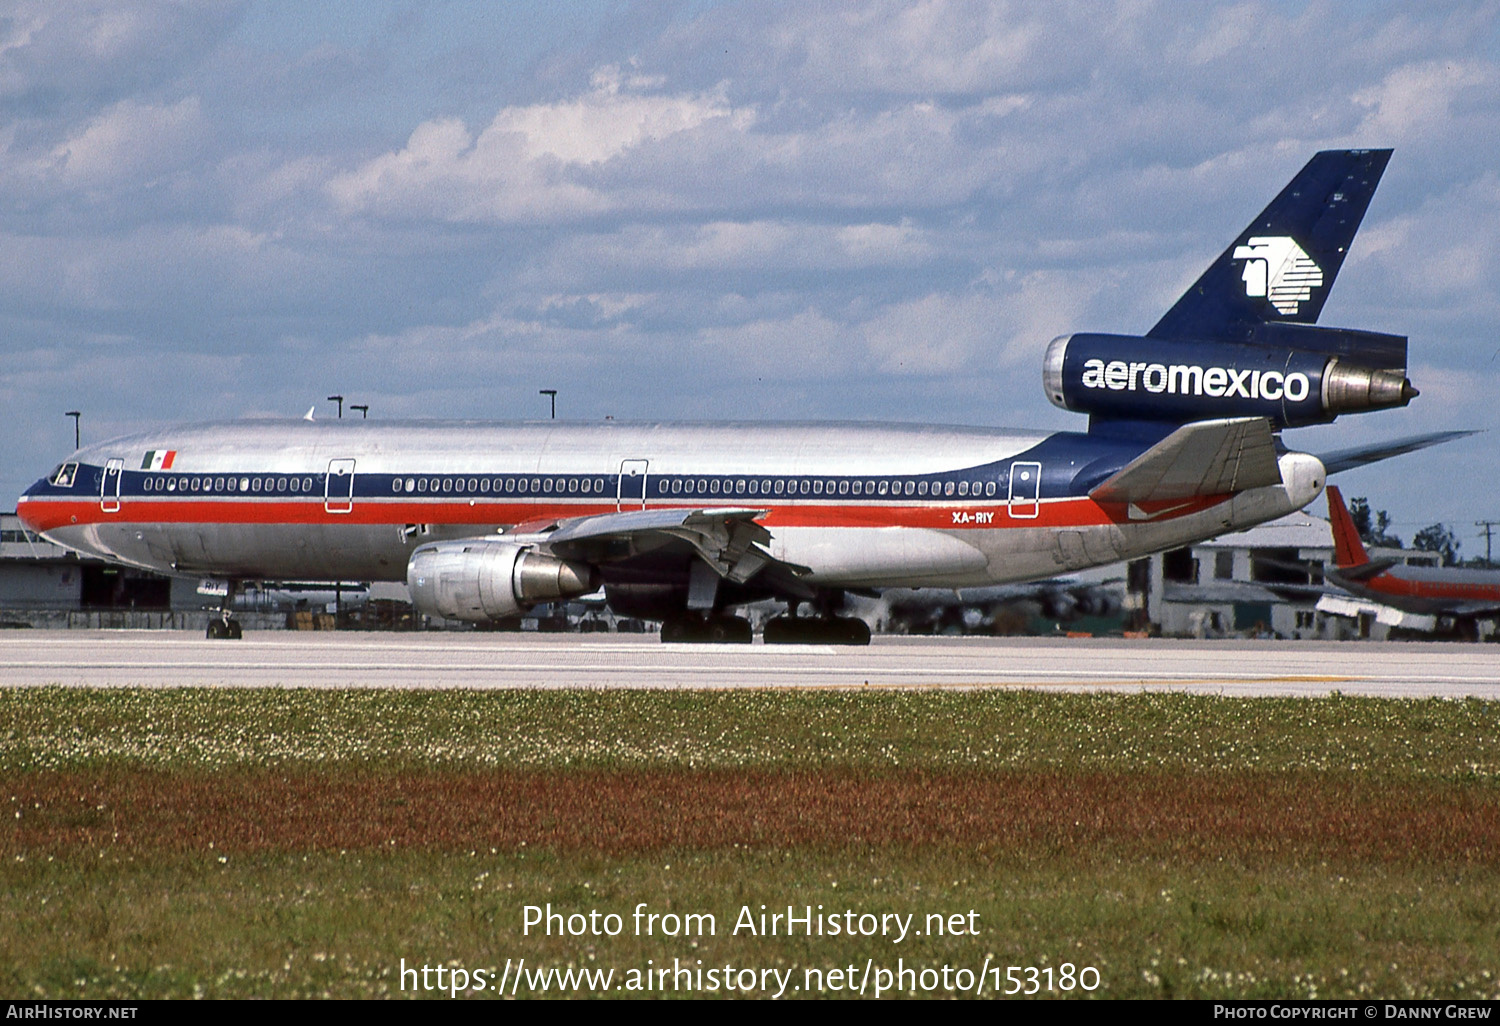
{"points": [[1206, 457], [729, 539], [1359, 456]]}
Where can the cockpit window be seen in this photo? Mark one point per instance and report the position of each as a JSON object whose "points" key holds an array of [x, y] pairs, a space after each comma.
{"points": [[63, 476]]}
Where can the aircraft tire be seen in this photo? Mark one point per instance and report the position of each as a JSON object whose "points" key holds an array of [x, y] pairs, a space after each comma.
{"points": [[729, 630], [836, 630], [215, 630], [853, 631], [677, 630], [233, 631]]}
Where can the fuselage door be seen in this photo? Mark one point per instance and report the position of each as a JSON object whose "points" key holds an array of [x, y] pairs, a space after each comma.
{"points": [[1025, 490], [338, 493], [109, 485], [631, 493]]}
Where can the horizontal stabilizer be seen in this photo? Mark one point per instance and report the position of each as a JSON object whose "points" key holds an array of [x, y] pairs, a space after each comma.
{"points": [[1361, 572], [1207, 457], [1348, 459]]}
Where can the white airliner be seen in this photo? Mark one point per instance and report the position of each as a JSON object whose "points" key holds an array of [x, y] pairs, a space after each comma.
{"points": [[684, 522]]}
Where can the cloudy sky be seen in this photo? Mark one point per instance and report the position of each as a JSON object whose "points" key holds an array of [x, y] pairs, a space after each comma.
{"points": [[713, 210]]}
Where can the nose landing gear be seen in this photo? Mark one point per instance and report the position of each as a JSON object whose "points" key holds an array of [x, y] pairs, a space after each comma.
{"points": [[223, 625]]}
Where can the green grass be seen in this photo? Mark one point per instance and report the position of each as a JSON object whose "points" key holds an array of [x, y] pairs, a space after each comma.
{"points": [[297, 842]]}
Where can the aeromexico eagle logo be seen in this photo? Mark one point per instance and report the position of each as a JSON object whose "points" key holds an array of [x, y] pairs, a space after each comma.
{"points": [[1278, 269]]}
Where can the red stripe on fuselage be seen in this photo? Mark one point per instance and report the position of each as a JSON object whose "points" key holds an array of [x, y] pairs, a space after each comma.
{"points": [[44, 514], [1389, 584]]}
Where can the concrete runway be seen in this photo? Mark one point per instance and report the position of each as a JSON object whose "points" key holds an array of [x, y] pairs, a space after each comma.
{"points": [[292, 659]]}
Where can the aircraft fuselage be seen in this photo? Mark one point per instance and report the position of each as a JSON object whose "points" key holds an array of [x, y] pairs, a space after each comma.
{"points": [[859, 505]]}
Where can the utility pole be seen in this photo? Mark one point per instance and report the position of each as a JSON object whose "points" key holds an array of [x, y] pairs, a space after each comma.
{"points": [[340, 400], [1489, 526], [363, 408], [75, 414], [550, 393]]}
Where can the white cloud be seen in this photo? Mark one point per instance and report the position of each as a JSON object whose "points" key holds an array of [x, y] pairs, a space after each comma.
{"points": [[1417, 100], [131, 142], [530, 163]]}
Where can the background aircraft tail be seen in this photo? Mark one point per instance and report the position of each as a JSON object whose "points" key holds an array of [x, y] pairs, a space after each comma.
{"points": [[1348, 550]]}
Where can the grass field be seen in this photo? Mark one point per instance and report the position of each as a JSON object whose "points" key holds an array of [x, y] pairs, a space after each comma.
{"points": [[290, 843]]}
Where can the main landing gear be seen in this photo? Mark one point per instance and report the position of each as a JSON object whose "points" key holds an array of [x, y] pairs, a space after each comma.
{"points": [[817, 630], [717, 630], [223, 625], [827, 628]]}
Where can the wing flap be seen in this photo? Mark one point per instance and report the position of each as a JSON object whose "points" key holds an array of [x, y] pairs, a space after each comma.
{"points": [[1207, 457], [729, 539]]}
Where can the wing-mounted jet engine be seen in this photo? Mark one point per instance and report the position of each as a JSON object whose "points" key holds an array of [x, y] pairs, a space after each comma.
{"points": [[483, 580]]}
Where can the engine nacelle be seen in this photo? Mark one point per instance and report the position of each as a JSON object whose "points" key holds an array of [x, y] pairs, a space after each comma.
{"points": [[1128, 377], [480, 580]]}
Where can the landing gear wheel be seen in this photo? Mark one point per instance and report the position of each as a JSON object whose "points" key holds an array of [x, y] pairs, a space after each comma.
{"points": [[817, 630], [716, 630], [229, 629]]}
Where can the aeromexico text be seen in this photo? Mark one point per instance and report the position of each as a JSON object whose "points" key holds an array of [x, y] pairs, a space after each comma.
{"points": [[1196, 380]]}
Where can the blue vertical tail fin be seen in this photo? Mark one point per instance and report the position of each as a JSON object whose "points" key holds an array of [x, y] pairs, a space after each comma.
{"points": [[1283, 265]]}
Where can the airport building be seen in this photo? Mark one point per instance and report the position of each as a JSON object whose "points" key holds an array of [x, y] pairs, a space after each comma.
{"points": [[1264, 581]]}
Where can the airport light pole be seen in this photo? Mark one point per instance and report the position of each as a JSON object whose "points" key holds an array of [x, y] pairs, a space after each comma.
{"points": [[550, 393], [363, 408], [75, 414], [340, 400]]}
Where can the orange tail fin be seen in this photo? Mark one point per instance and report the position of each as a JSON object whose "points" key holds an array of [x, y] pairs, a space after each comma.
{"points": [[1348, 550]]}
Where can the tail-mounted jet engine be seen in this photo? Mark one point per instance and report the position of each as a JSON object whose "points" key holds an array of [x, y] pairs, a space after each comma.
{"points": [[479, 580], [1297, 375]]}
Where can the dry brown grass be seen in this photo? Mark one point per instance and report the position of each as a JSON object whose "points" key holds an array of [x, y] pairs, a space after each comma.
{"points": [[1293, 816]]}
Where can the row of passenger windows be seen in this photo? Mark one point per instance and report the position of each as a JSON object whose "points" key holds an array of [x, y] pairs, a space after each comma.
{"points": [[204, 483], [659, 487], [664, 487]]}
